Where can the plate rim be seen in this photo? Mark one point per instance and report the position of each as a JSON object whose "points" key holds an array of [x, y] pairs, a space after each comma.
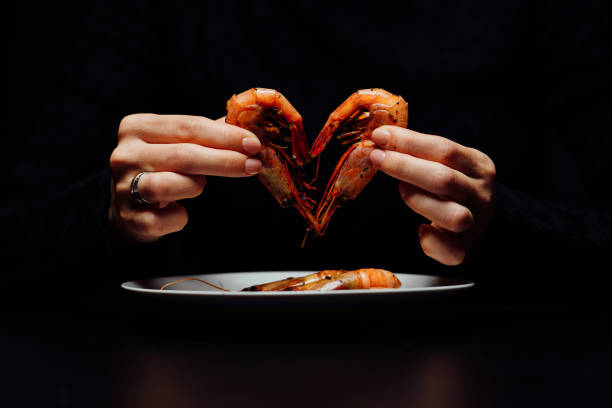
{"points": [[462, 286]]}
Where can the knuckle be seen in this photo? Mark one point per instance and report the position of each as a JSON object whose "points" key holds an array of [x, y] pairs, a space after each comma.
{"points": [[125, 214], [130, 123], [127, 124], [229, 165], [444, 180], [486, 189], [179, 154], [489, 171], [119, 158], [223, 132], [153, 187], [459, 219], [187, 127], [148, 223], [396, 164], [447, 151], [122, 186], [134, 125]]}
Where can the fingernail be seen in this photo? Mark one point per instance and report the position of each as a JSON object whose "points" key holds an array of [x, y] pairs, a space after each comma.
{"points": [[251, 145], [381, 137], [252, 166], [377, 157]]}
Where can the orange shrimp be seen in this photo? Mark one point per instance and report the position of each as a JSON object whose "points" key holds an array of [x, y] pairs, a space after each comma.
{"points": [[294, 283], [368, 278], [270, 116], [279, 127], [353, 122], [334, 280]]}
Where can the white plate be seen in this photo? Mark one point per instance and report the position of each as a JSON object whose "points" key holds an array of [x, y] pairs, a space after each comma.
{"points": [[411, 285]]}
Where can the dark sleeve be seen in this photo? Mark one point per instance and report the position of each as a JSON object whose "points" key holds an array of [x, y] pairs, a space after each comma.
{"points": [[57, 186], [560, 233]]}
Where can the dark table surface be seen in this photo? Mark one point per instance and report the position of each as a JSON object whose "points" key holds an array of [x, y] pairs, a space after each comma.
{"points": [[122, 350]]}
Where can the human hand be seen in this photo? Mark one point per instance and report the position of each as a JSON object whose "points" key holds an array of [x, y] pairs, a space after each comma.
{"points": [[447, 183], [177, 153]]}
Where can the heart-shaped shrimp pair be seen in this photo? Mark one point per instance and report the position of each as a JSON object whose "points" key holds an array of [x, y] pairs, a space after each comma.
{"points": [[278, 125]]}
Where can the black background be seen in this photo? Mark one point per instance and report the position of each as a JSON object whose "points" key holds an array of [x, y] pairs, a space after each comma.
{"points": [[529, 87]]}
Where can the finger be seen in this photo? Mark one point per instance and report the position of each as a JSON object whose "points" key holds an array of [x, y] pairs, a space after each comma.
{"points": [[190, 158], [441, 245], [189, 129], [430, 176], [444, 213], [467, 160], [164, 187], [152, 223]]}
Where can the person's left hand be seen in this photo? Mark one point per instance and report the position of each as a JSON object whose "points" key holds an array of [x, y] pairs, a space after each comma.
{"points": [[447, 183]]}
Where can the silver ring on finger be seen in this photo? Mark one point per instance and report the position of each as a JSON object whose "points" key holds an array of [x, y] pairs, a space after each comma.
{"points": [[134, 189]]}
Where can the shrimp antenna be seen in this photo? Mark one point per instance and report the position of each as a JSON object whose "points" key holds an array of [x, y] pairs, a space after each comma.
{"points": [[195, 279]]}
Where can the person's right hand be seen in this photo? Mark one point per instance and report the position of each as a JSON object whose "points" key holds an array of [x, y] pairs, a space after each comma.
{"points": [[176, 152]]}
